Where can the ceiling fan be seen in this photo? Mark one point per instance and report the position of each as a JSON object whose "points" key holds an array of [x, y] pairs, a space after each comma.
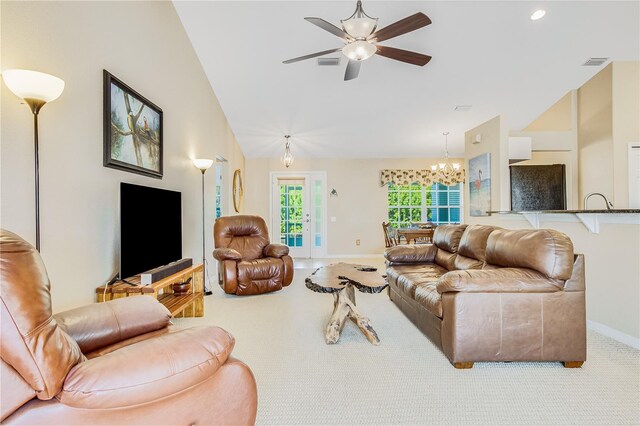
{"points": [[361, 40]]}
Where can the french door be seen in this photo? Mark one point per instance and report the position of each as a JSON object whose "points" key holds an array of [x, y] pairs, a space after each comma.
{"points": [[298, 212]]}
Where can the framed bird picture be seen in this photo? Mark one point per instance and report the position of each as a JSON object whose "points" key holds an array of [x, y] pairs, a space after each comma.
{"points": [[132, 130]]}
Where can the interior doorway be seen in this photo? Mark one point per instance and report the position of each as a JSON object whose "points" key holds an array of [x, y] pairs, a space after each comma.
{"points": [[298, 212]]}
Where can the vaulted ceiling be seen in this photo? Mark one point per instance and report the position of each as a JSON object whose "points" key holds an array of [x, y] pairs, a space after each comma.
{"points": [[489, 55]]}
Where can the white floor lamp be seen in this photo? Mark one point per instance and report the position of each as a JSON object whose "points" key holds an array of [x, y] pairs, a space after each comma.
{"points": [[203, 164], [36, 89]]}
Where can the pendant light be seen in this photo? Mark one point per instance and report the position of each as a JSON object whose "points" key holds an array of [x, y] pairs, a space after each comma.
{"points": [[287, 158]]}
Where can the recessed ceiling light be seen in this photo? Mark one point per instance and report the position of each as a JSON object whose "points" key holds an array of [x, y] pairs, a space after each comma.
{"points": [[538, 14]]}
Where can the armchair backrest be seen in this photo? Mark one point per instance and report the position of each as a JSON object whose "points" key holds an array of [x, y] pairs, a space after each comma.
{"points": [[32, 343], [248, 235]]}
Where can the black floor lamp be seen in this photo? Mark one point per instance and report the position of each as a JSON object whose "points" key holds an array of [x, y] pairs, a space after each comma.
{"points": [[203, 164], [36, 89]]}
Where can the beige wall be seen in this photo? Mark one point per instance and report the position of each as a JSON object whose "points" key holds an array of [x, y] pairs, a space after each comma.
{"points": [[557, 118], [144, 44], [595, 137], [626, 124], [612, 268], [359, 209], [494, 141]]}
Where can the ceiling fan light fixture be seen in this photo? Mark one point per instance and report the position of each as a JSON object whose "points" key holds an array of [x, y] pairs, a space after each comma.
{"points": [[359, 50], [359, 25]]}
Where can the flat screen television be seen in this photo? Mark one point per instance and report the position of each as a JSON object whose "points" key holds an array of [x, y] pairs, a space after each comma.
{"points": [[150, 228]]}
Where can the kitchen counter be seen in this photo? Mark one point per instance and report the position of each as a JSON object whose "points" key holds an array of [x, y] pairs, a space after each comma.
{"points": [[590, 218], [612, 211]]}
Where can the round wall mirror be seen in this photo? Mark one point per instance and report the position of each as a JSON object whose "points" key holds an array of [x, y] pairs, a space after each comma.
{"points": [[238, 191]]}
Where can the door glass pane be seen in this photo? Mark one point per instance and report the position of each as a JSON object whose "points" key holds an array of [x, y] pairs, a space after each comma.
{"points": [[218, 190], [317, 237], [291, 215]]}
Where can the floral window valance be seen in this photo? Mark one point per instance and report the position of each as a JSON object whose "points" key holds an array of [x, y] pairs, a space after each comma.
{"points": [[423, 177]]}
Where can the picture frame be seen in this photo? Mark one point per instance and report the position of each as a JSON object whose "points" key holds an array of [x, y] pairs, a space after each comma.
{"points": [[133, 130], [480, 185], [238, 190]]}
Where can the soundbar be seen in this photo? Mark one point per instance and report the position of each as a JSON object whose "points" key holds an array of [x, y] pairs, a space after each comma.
{"points": [[161, 272]]}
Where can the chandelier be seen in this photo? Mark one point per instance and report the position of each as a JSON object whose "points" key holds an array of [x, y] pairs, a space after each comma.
{"points": [[447, 169], [287, 158]]}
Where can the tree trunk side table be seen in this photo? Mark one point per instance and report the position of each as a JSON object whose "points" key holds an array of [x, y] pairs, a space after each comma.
{"points": [[341, 280]]}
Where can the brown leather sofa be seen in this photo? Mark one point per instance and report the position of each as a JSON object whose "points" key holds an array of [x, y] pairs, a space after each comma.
{"points": [[482, 293], [117, 362], [247, 262]]}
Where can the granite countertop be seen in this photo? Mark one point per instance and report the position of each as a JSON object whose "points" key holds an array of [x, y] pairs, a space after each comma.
{"points": [[612, 211]]}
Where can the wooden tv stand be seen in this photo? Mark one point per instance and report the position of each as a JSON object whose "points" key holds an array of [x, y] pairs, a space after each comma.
{"points": [[188, 305]]}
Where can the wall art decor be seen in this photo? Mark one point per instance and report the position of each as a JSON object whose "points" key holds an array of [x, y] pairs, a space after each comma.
{"points": [[480, 185], [132, 130]]}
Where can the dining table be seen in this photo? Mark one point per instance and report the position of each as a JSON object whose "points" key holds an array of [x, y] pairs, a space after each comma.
{"points": [[413, 234]]}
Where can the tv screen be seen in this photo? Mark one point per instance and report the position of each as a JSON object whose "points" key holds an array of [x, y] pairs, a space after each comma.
{"points": [[150, 228]]}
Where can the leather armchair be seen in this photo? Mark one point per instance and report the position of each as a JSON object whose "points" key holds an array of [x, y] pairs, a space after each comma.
{"points": [[247, 262], [117, 362]]}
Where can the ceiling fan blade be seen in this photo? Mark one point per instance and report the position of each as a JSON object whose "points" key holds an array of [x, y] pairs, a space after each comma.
{"points": [[312, 55], [353, 70], [403, 55], [331, 28], [403, 26]]}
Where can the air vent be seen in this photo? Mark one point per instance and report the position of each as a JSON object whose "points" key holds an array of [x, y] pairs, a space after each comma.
{"points": [[595, 62], [331, 62], [462, 108]]}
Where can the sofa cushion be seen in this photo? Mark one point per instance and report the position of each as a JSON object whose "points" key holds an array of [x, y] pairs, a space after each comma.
{"points": [[446, 259], [408, 277], [473, 244], [447, 237], [544, 250], [411, 253], [427, 295], [260, 275], [149, 370]]}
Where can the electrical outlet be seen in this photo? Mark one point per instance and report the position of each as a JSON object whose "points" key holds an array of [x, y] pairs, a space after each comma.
{"points": [[357, 242]]}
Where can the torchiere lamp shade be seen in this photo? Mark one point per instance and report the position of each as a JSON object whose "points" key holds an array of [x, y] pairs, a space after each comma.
{"points": [[202, 163], [28, 84]]}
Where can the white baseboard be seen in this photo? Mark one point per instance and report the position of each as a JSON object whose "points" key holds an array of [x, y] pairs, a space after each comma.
{"points": [[621, 337], [353, 256]]}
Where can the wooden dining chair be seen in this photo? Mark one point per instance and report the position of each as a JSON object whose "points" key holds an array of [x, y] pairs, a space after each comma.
{"points": [[390, 239]]}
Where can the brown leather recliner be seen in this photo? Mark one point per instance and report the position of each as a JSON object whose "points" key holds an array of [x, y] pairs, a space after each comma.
{"points": [[117, 362], [247, 262]]}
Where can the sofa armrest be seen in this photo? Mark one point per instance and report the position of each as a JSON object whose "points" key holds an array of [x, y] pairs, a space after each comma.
{"points": [[500, 280], [222, 254], [102, 324], [411, 253], [275, 250], [147, 371]]}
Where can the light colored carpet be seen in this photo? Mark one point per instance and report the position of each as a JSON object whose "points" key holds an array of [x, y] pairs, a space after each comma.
{"points": [[407, 380]]}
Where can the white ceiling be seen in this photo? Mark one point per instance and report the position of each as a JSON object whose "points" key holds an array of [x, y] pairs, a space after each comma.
{"points": [[486, 54]]}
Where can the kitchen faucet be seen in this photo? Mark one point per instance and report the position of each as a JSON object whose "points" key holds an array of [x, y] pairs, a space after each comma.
{"points": [[607, 202]]}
